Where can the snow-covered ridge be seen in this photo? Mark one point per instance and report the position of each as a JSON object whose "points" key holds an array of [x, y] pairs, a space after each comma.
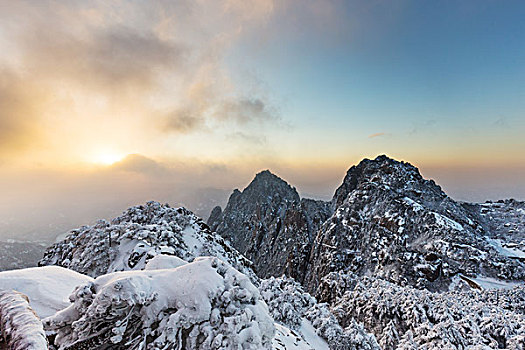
{"points": [[129, 241]]}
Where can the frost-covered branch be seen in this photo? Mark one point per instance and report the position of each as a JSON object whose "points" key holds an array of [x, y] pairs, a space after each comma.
{"points": [[20, 327]]}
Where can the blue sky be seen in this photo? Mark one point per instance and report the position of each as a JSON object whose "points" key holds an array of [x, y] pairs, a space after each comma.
{"points": [[455, 68]]}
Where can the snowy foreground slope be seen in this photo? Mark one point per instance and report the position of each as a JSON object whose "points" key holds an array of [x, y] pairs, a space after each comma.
{"points": [[204, 304], [201, 305], [48, 288], [152, 290]]}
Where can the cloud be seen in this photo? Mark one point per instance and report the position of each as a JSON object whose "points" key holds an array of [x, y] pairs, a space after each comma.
{"points": [[249, 138], [377, 134], [206, 113], [19, 112], [142, 67], [247, 110], [183, 120], [502, 122], [140, 164]]}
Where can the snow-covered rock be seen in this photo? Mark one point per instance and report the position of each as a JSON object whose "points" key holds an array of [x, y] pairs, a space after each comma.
{"points": [[205, 304], [392, 223], [162, 261], [142, 232], [271, 225], [48, 287]]}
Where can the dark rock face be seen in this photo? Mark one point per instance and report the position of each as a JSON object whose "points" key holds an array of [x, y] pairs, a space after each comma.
{"points": [[503, 220], [391, 223], [376, 253], [385, 220], [271, 225]]}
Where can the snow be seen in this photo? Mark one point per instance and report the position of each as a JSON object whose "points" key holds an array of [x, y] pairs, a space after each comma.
{"points": [[19, 325], [47, 288], [192, 242], [305, 339], [164, 262], [138, 235], [493, 283], [408, 318], [417, 207], [310, 336], [306, 324], [126, 249], [445, 221], [205, 304], [506, 251]]}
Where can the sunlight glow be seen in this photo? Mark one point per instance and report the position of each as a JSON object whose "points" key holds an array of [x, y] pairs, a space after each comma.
{"points": [[107, 158]]}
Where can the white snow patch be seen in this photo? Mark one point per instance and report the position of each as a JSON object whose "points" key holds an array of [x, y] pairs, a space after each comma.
{"points": [[488, 283], [445, 221], [305, 339], [48, 287], [311, 337], [126, 249], [415, 205], [493, 283], [160, 262], [193, 243], [506, 251]]}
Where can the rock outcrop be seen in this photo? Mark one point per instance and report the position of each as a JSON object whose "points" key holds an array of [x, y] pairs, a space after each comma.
{"points": [[270, 224]]}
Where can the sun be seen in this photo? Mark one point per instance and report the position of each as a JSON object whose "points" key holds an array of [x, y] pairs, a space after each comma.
{"points": [[106, 158]]}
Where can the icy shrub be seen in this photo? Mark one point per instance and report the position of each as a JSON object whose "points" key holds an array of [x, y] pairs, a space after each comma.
{"points": [[205, 304], [407, 318], [286, 300], [290, 305]]}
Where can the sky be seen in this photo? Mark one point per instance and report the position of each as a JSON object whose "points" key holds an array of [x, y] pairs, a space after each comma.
{"points": [[106, 104]]}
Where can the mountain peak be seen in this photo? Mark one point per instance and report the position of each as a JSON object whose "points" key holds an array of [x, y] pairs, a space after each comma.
{"points": [[387, 172], [266, 184], [265, 173]]}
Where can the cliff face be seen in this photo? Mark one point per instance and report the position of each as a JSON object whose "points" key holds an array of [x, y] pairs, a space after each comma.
{"points": [[271, 225], [391, 223]]}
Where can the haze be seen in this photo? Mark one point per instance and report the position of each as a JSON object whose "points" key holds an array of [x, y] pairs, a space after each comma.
{"points": [[107, 104]]}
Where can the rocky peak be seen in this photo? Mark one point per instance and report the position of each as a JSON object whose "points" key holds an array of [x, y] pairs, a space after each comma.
{"points": [[387, 173], [270, 224], [390, 222], [266, 185]]}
